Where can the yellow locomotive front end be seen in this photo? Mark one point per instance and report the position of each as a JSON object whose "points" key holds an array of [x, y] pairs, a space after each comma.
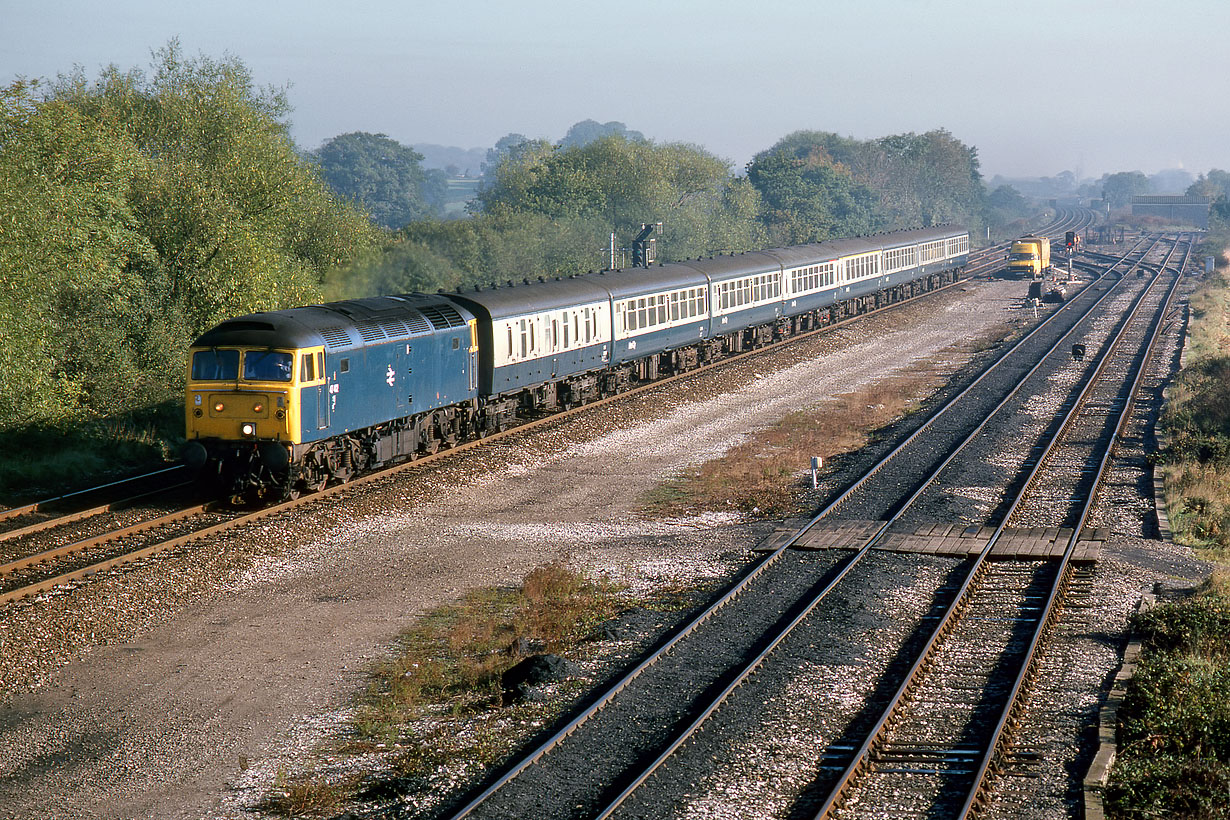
{"points": [[241, 395], [242, 415]]}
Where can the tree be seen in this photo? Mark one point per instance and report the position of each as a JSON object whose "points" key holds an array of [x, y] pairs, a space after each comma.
{"points": [[1118, 189], [925, 179], [614, 184], [807, 196], [820, 185], [1215, 185], [383, 176], [137, 212], [507, 146], [586, 131]]}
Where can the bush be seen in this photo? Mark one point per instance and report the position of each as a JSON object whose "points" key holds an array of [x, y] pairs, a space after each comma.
{"points": [[1174, 726], [1179, 704], [1200, 624], [1169, 786]]}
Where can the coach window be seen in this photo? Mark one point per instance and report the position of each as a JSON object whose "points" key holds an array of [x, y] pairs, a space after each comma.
{"points": [[523, 340], [510, 342]]}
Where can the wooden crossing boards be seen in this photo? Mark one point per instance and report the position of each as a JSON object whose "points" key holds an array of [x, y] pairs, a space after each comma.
{"points": [[946, 539]]}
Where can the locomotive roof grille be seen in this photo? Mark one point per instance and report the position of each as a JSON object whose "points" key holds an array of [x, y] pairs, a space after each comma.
{"points": [[442, 317], [416, 322], [335, 337], [370, 331], [393, 328]]}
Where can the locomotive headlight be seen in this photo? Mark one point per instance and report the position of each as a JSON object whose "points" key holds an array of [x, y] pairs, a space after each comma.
{"points": [[248, 429]]}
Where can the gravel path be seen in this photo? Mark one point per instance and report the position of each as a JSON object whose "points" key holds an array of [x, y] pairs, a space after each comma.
{"points": [[180, 688]]}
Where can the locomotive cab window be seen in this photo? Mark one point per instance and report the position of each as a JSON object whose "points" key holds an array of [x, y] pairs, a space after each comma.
{"points": [[307, 369], [268, 366], [215, 365]]}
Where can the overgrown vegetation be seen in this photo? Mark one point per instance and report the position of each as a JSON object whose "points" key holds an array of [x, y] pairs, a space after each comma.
{"points": [[1174, 735], [451, 661], [43, 461], [1196, 462]]}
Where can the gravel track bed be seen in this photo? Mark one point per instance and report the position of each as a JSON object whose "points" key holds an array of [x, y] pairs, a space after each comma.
{"points": [[572, 779], [977, 488], [887, 489], [105, 551], [921, 769], [761, 753], [163, 688], [48, 539]]}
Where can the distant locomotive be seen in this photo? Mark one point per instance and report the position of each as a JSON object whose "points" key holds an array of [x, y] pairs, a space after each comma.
{"points": [[286, 401], [1029, 256]]}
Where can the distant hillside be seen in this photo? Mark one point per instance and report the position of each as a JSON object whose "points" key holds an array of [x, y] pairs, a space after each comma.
{"points": [[468, 161]]}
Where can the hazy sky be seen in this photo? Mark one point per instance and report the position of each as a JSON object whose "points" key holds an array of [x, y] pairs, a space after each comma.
{"points": [[1037, 87]]}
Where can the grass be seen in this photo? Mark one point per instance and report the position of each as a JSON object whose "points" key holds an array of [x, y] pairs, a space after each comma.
{"points": [[1195, 464], [1174, 726], [437, 700], [452, 660], [304, 797], [770, 474], [48, 461]]}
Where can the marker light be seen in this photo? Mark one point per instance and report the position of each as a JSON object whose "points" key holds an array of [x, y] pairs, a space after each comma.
{"points": [[256, 408], [219, 407]]}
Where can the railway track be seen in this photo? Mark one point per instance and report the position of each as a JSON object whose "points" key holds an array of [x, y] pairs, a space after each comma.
{"points": [[17, 522], [684, 667], [35, 562], [946, 731]]}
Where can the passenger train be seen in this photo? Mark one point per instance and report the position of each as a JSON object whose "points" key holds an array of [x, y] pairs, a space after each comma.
{"points": [[286, 401]]}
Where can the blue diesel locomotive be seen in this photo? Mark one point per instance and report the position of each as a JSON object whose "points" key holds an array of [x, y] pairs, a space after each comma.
{"points": [[285, 401]]}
